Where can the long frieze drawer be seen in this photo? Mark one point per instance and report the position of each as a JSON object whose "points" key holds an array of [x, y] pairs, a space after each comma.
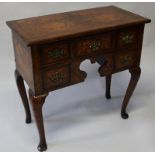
{"points": [[100, 43], [125, 60], [54, 78], [54, 52], [127, 37]]}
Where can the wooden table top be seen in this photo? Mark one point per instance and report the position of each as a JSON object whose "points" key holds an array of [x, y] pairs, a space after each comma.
{"points": [[59, 26]]}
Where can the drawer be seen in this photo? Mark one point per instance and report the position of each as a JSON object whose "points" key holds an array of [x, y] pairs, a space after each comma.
{"points": [[127, 37], [124, 60], [54, 52], [91, 45], [54, 78]]}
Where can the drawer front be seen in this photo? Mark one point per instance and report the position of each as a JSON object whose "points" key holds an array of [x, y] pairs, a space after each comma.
{"points": [[127, 37], [92, 45], [55, 52], [124, 60], [54, 78]]}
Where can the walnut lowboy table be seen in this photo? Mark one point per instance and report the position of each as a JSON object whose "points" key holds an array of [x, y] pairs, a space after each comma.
{"points": [[49, 50]]}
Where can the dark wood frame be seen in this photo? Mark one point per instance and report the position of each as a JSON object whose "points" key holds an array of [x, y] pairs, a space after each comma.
{"points": [[30, 67]]}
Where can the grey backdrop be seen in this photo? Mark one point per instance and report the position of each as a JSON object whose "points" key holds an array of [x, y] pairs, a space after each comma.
{"points": [[79, 118]]}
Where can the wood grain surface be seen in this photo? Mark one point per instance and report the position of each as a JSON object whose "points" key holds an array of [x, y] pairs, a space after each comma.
{"points": [[70, 24]]}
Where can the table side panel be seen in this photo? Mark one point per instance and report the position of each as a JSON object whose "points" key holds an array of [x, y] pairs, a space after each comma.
{"points": [[23, 59]]}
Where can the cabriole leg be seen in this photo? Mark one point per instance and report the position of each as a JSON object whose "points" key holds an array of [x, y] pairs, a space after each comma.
{"points": [[135, 74], [22, 92], [37, 103]]}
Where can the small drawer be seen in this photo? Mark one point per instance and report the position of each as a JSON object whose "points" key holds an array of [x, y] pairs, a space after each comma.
{"points": [[124, 60], [91, 45], [55, 52], [127, 37], [54, 78]]}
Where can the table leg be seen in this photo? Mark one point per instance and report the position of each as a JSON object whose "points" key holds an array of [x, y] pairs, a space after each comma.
{"points": [[135, 74], [37, 103], [22, 92], [108, 85]]}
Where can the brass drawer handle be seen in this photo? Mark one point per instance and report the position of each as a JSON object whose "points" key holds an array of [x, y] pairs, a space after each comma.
{"points": [[95, 45], [57, 77], [56, 53], [127, 38]]}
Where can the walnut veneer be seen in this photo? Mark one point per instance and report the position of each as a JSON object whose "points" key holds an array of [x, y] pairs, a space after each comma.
{"points": [[49, 50]]}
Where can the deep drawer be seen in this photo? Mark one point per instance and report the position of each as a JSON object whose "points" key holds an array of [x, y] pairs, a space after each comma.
{"points": [[55, 77], [124, 60]]}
